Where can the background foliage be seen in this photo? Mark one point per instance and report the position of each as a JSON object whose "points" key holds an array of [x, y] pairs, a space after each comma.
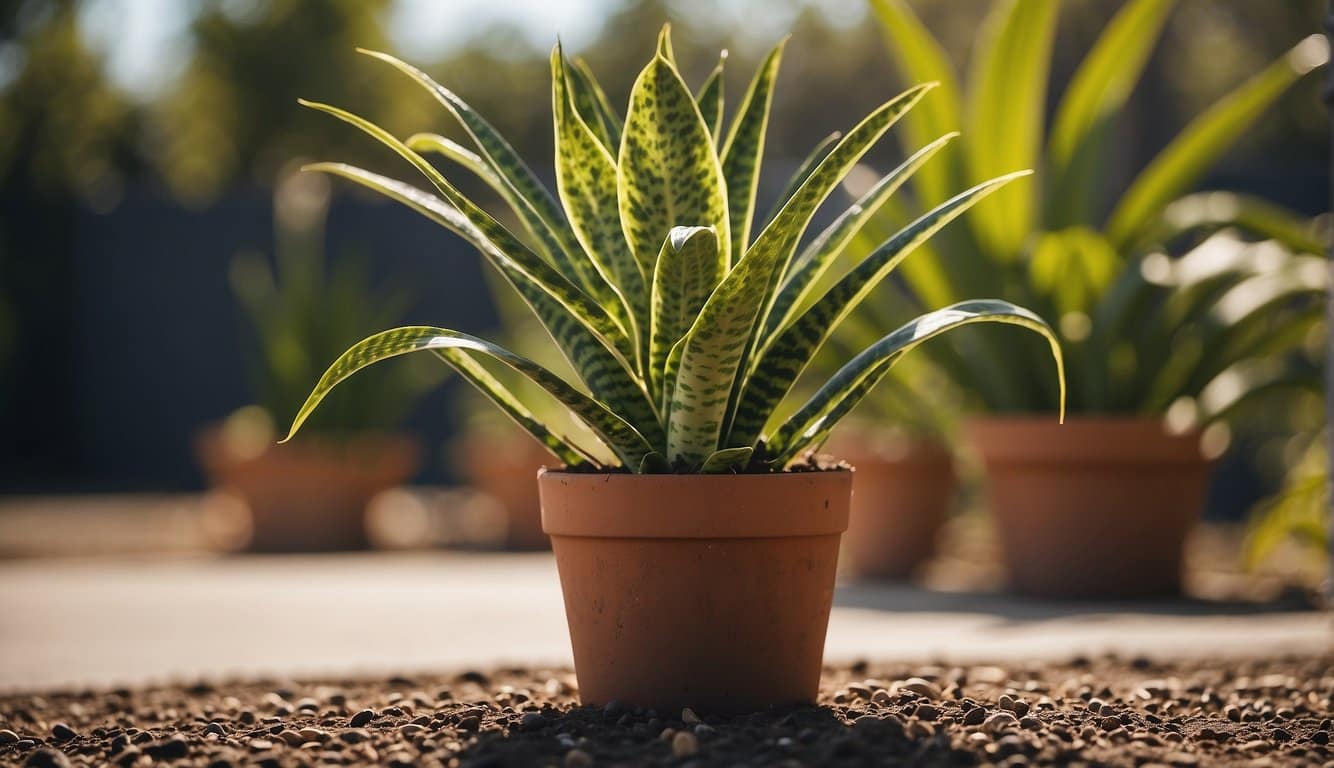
{"points": [[75, 146]]}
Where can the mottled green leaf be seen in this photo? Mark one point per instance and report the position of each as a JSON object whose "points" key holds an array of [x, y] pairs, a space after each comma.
{"points": [[436, 144], [588, 310], [475, 374], [585, 88], [710, 100], [586, 180], [726, 460], [808, 427], [604, 372], [540, 211], [619, 435], [665, 49], [799, 176], [787, 353], [817, 257], [688, 269], [668, 172], [707, 361], [744, 148]]}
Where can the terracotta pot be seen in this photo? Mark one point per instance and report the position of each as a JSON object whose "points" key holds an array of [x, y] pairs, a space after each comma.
{"points": [[502, 466], [1096, 508], [707, 591], [310, 496], [901, 494]]}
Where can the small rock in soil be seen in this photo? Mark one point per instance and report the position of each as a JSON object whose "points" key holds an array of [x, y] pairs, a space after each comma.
{"points": [[47, 758], [684, 744], [1261, 711], [577, 758]]}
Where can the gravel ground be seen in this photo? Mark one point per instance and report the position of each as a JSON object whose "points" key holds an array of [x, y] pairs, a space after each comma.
{"points": [[1101, 711]]}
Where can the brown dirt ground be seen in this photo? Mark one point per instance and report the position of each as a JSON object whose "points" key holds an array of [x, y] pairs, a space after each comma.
{"points": [[1102, 711]]}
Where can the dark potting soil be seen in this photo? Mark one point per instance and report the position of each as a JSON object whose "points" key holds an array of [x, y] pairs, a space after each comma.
{"points": [[1097, 712]]}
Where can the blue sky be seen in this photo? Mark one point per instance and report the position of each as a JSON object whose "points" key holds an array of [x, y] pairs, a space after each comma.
{"points": [[146, 41]]}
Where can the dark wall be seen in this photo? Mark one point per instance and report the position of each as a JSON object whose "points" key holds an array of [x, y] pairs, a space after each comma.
{"points": [[151, 347]]}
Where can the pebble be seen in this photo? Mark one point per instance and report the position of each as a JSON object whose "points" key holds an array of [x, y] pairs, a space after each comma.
{"points": [[920, 686], [684, 744], [62, 732], [172, 749], [1040, 715], [361, 718], [999, 722], [47, 758]]}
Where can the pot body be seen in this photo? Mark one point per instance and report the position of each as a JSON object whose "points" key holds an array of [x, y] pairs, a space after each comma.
{"points": [[1096, 508], [900, 499], [502, 466], [707, 591], [310, 496]]}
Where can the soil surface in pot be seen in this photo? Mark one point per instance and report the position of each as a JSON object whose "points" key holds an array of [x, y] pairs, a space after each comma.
{"points": [[1100, 711]]}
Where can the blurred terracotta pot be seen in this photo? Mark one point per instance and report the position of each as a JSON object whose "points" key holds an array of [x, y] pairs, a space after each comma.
{"points": [[707, 591], [502, 466], [901, 495], [310, 496], [1096, 508]]}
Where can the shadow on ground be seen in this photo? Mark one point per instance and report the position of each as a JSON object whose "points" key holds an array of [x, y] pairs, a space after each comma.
{"points": [[903, 598], [808, 735]]}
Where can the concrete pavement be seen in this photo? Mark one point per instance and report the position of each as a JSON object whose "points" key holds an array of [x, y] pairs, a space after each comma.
{"points": [[130, 621]]}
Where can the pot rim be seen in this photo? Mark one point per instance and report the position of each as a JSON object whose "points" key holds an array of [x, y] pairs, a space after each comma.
{"points": [[1092, 439], [623, 505]]}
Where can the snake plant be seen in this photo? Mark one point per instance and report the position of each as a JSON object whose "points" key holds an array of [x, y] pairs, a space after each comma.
{"points": [[1162, 300], [684, 317]]}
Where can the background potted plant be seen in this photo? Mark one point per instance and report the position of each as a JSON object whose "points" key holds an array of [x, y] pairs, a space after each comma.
{"points": [[1100, 506], [311, 494], [696, 570]]}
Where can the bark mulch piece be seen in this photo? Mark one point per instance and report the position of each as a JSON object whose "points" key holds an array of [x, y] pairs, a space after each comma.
{"points": [[1103, 711]]}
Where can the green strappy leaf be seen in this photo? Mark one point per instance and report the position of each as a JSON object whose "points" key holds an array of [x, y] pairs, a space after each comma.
{"points": [[668, 174]]}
